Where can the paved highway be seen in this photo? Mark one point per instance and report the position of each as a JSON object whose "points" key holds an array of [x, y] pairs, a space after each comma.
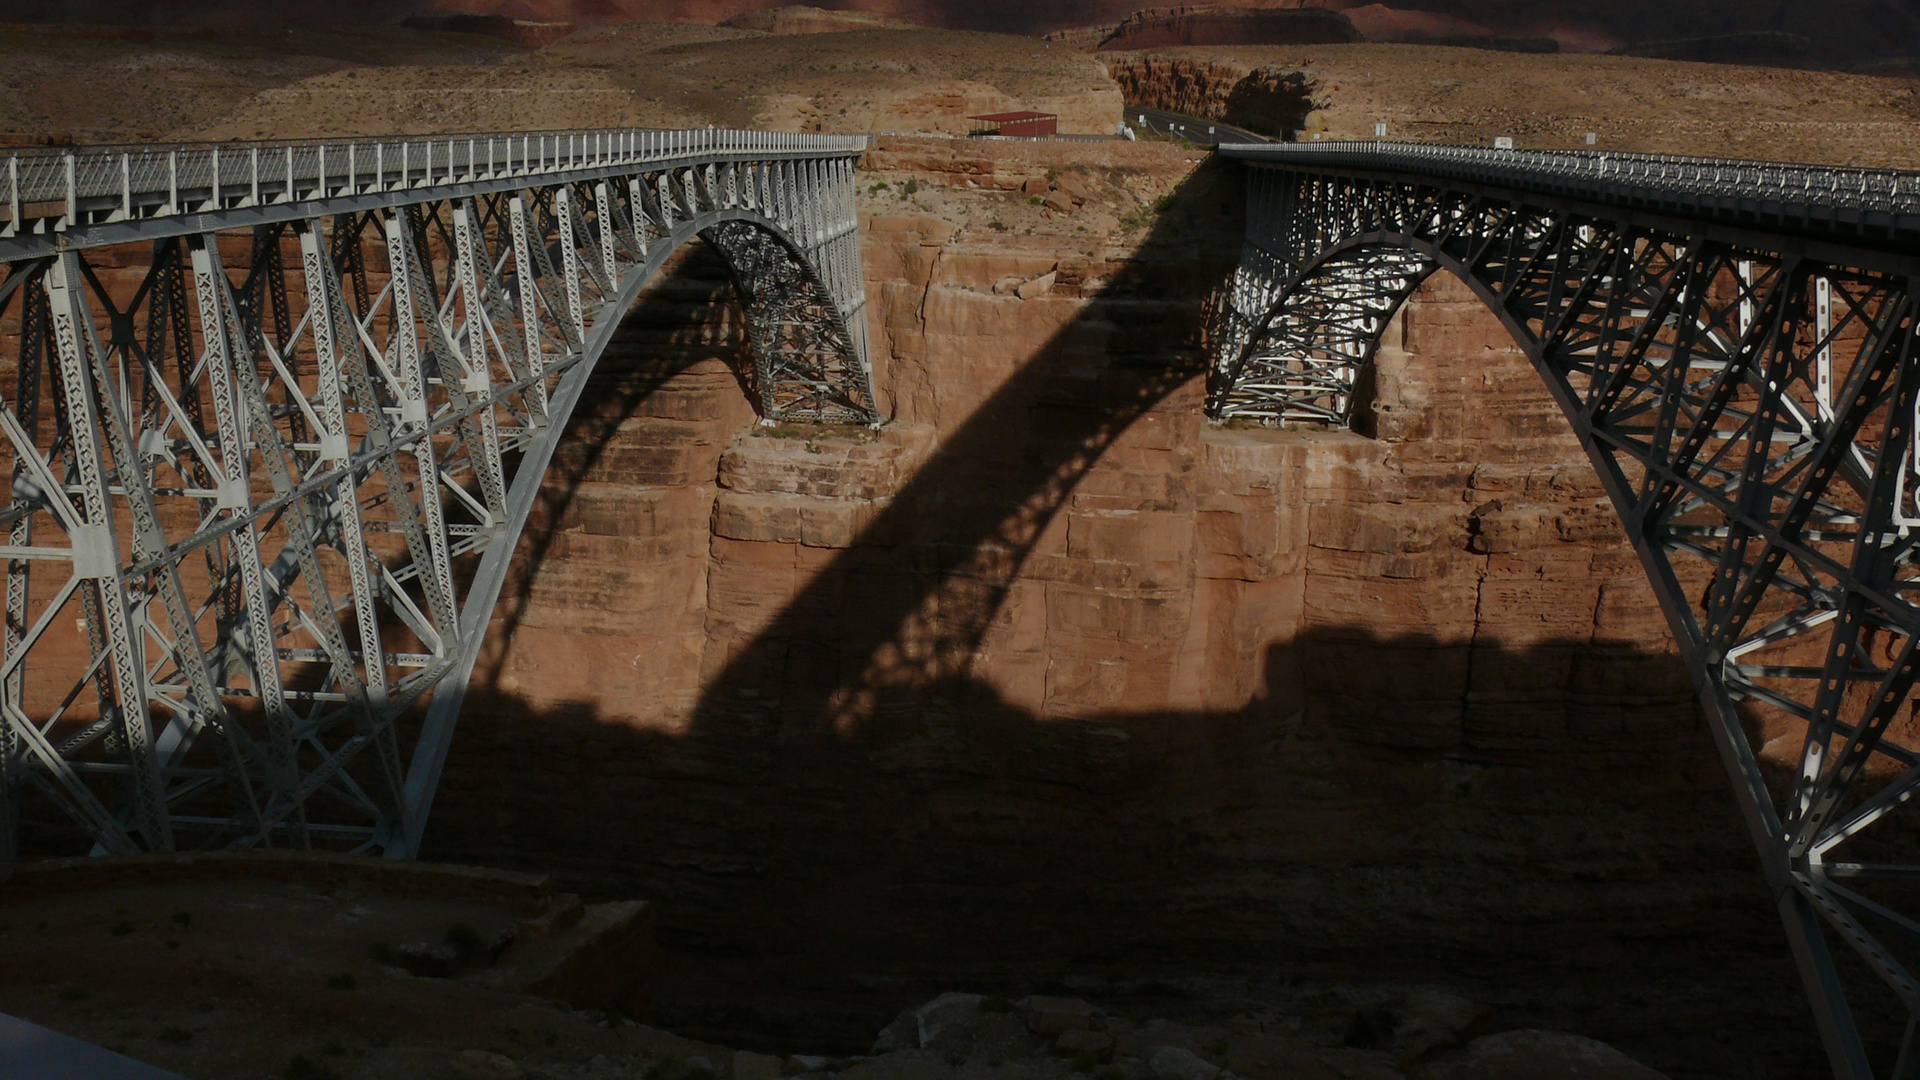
{"points": [[1193, 129]]}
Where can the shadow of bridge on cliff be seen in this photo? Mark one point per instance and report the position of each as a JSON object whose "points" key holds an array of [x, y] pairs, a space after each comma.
{"points": [[854, 818]]}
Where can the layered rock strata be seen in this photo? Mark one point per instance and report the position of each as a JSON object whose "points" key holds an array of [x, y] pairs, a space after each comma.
{"points": [[1049, 676], [801, 19], [1212, 24], [1541, 100]]}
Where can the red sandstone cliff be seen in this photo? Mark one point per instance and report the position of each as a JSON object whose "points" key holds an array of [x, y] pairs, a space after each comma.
{"points": [[1838, 34], [1460, 96], [1215, 24], [800, 19], [518, 31], [1841, 34], [1050, 675]]}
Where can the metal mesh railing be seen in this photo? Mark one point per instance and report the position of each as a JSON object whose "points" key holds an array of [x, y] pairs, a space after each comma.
{"points": [[161, 179], [1811, 193]]}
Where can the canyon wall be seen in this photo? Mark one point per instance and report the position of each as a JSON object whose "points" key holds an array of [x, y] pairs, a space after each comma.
{"points": [[1050, 683], [1465, 97], [1213, 24], [1270, 101], [801, 19]]}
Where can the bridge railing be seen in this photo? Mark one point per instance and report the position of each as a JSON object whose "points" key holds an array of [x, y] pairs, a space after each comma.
{"points": [[51, 190], [1819, 197]]}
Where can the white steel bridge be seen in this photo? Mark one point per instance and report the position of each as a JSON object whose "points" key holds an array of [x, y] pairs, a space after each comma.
{"points": [[276, 415]]}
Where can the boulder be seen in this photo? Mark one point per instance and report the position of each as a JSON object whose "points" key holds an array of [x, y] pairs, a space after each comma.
{"points": [[429, 961], [922, 1026], [1039, 286], [1428, 1021], [485, 1065], [561, 913], [1540, 1055], [1075, 186], [697, 1067], [1053, 1015], [748, 1065], [1079, 1042], [600, 962], [1176, 1063]]}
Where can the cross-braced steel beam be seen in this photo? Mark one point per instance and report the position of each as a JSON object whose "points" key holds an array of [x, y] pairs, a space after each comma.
{"points": [[278, 415], [1743, 369]]}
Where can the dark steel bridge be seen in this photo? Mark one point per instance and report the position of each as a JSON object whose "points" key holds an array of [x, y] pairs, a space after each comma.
{"points": [[275, 415], [1734, 344]]}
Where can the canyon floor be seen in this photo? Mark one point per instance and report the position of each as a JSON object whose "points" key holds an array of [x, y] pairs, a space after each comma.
{"points": [[301, 975]]}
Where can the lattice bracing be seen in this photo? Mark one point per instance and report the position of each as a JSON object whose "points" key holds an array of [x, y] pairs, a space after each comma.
{"points": [[1748, 393], [266, 464]]}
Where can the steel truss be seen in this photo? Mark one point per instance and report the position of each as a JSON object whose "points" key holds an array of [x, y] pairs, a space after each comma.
{"points": [[1750, 402], [264, 482]]}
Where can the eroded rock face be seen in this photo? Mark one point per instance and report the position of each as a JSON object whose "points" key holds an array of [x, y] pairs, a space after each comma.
{"points": [[801, 19], [1274, 101], [1544, 100], [1050, 674], [1215, 24]]}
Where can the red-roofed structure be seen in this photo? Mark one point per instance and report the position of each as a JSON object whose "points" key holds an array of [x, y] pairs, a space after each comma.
{"points": [[1019, 124]]}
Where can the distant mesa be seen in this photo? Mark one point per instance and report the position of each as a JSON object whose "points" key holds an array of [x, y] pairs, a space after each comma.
{"points": [[576, 12], [1495, 42], [1214, 25], [1888, 67], [1382, 23], [522, 31], [800, 19]]}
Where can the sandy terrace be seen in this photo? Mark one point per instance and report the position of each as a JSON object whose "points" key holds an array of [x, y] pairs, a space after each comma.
{"points": [[642, 74], [1448, 95]]}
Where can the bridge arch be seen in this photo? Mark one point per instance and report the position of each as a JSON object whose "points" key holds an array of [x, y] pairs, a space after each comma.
{"points": [[1743, 374], [788, 313], [285, 485]]}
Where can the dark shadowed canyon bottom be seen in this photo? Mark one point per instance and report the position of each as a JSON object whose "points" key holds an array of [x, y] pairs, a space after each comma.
{"points": [[1051, 686]]}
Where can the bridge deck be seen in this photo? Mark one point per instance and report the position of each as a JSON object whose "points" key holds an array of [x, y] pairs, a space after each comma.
{"points": [[104, 195], [1862, 206]]}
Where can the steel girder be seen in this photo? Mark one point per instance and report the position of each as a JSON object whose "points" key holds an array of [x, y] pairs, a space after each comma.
{"points": [[1750, 407], [263, 488]]}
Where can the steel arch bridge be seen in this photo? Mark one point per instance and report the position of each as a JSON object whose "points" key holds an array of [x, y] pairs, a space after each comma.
{"points": [[1735, 346], [277, 416]]}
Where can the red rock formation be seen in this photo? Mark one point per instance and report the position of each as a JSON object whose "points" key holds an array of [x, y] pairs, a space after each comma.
{"points": [[963, 698], [1841, 33], [800, 19], [1215, 24], [519, 31], [1378, 22], [1269, 101]]}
